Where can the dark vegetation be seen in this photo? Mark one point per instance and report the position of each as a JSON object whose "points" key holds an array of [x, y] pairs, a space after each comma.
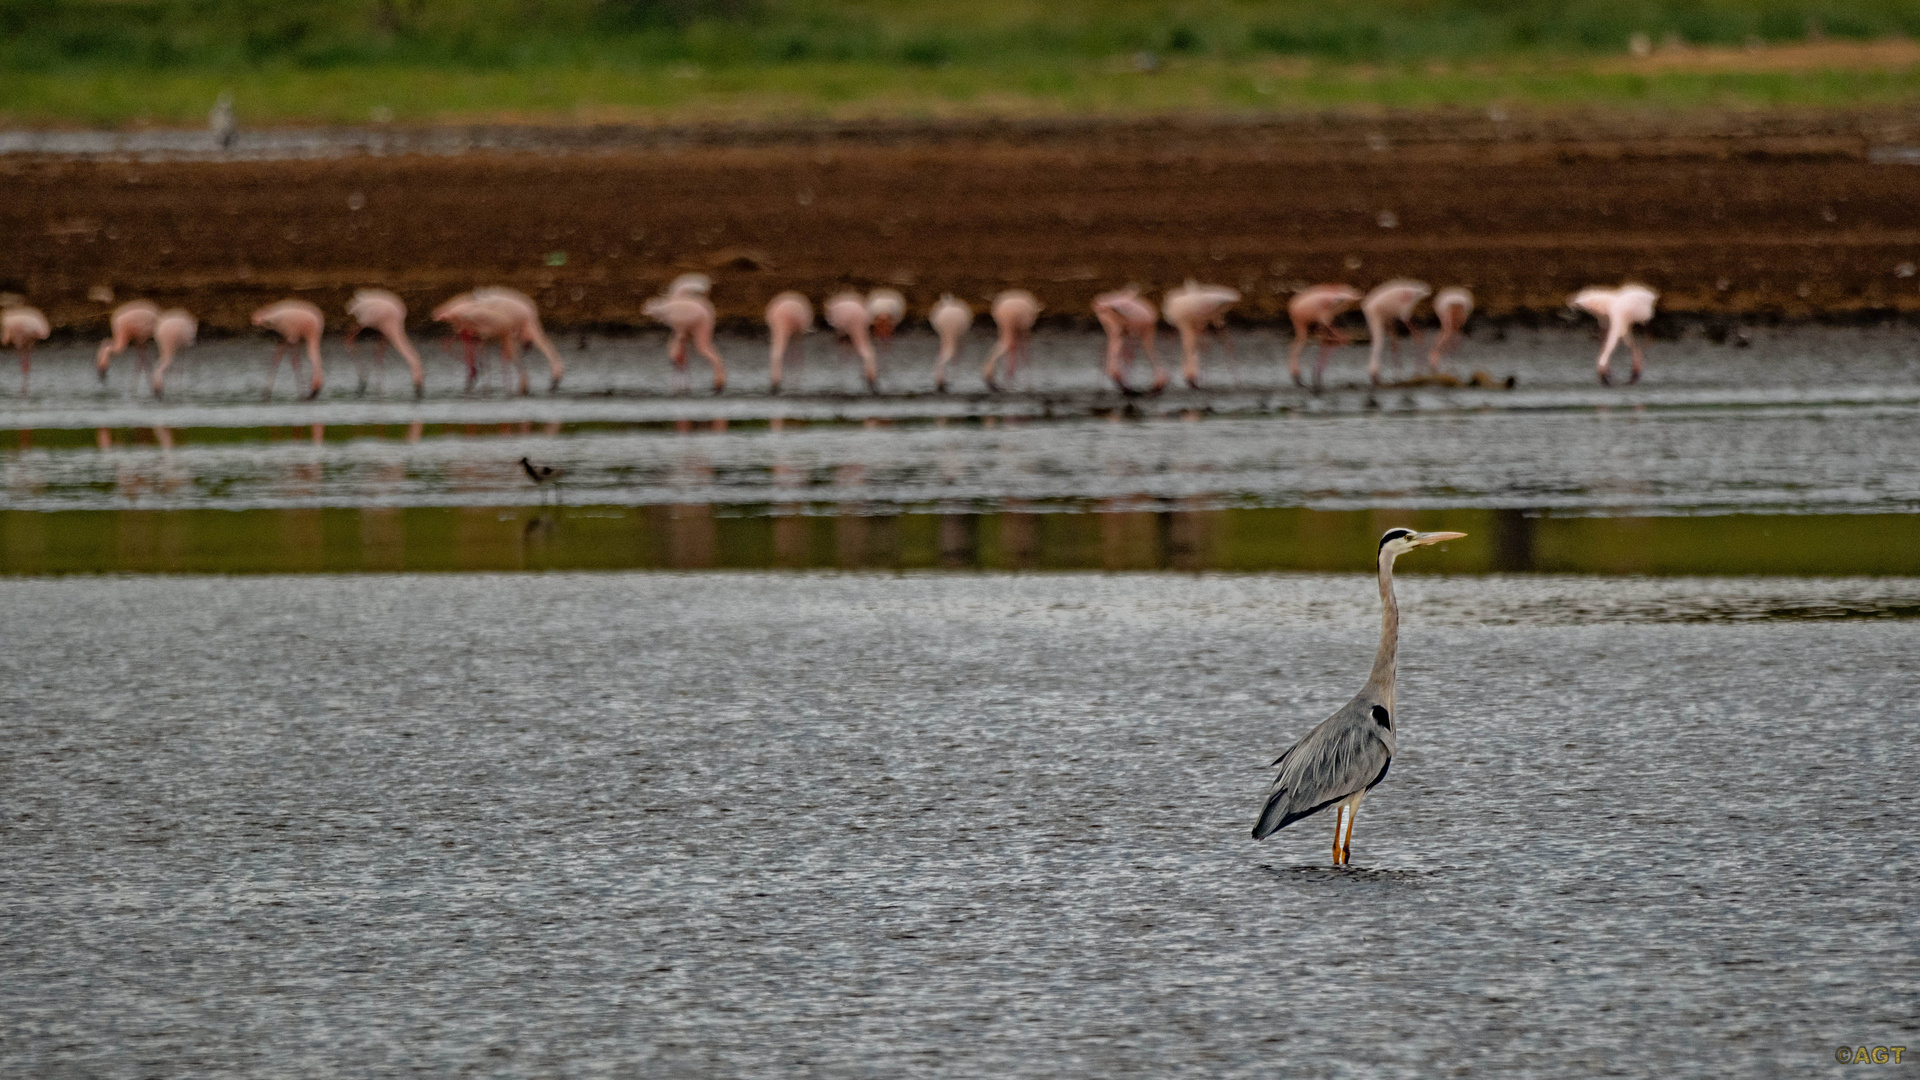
{"points": [[211, 35]]}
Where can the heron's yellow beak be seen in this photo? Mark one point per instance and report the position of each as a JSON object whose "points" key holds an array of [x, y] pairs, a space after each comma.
{"points": [[1423, 539]]}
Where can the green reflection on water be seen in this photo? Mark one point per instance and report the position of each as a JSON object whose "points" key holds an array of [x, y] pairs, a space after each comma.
{"points": [[708, 537]]}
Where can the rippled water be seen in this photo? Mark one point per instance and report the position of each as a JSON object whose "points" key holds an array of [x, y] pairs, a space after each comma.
{"points": [[965, 824], [608, 825], [1799, 459], [1804, 422], [1548, 366]]}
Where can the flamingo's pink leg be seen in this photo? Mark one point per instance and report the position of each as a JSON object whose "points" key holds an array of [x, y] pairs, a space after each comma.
{"points": [[313, 362]]}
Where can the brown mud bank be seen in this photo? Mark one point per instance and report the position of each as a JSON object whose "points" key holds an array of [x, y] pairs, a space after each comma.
{"points": [[1728, 215]]}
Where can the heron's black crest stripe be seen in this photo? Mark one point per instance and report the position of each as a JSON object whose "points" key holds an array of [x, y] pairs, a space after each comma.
{"points": [[1379, 714], [1394, 534]]}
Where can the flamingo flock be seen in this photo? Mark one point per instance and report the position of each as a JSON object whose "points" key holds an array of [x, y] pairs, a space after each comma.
{"points": [[864, 324]]}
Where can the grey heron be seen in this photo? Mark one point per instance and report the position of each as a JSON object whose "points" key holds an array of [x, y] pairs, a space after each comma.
{"points": [[1339, 761]]}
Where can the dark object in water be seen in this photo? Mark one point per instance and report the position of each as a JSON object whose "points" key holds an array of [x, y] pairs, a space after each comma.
{"points": [[541, 474], [1479, 379]]}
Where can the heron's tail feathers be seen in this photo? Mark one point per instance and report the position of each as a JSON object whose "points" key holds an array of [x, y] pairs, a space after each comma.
{"points": [[1274, 815], [1282, 810]]}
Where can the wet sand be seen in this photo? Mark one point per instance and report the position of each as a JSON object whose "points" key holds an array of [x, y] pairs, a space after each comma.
{"points": [[1727, 214]]}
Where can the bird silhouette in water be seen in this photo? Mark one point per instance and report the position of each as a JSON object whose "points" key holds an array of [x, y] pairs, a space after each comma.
{"points": [[543, 475]]}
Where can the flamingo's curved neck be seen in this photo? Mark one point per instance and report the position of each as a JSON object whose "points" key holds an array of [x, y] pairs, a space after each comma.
{"points": [[1380, 684]]}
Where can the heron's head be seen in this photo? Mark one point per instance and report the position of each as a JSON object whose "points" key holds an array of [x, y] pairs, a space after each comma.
{"points": [[1398, 542]]}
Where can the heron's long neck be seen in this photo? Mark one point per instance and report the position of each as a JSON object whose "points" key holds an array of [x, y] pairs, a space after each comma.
{"points": [[1380, 685]]}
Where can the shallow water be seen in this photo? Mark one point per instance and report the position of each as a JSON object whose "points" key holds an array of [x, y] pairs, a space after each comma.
{"points": [[1550, 367], [947, 826], [1815, 428]]}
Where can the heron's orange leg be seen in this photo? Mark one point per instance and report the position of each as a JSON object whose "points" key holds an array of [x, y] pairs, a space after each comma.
{"points": [[1343, 832]]}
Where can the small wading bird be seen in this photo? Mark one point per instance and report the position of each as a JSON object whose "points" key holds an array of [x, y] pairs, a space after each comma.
{"points": [[1339, 761], [20, 327], [1385, 305], [220, 122], [1193, 309], [382, 311], [174, 331], [132, 327], [1014, 312], [298, 323], [788, 316], [1317, 306], [1124, 314], [543, 475], [1454, 305], [848, 315], [1619, 310], [951, 320]]}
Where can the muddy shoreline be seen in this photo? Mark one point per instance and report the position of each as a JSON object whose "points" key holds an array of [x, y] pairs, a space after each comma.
{"points": [[1732, 216]]}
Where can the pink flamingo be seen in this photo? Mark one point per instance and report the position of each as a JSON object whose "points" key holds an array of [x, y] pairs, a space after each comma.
{"points": [[788, 316], [847, 313], [1317, 306], [298, 323], [495, 313], [1192, 309], [474, 322], [20, 327], [888, 310], [1620, 310], [951, 319], [173, 332], [1124, 313], [1014, 313], [132, 326], [689, 315], [526, 328], [378, 309], [1391, 302], [1454, 305]]}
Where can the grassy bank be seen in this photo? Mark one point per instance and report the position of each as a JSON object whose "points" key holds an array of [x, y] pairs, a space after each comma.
{"points": [[587, 95], [115, 62]]}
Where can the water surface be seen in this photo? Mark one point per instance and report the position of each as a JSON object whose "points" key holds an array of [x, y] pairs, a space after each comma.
{"points": [[1794, 455], [942, 825]]}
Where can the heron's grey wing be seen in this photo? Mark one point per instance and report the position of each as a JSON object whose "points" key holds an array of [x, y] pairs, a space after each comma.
{"points": [[1347, 753]]}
